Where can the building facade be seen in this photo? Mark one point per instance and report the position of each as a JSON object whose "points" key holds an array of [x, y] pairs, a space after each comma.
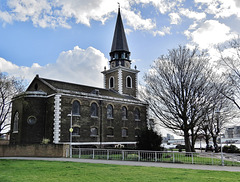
{"points": [[62, 112]]}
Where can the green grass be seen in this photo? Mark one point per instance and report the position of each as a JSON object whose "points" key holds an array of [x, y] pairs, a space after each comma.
{"points": [[42, 171]]}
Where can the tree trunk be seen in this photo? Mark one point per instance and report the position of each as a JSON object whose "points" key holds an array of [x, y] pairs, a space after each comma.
{"points": [[207, 138], [187, 141], [215, 144]]}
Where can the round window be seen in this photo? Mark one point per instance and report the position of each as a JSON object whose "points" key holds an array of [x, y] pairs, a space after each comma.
{"points": [[32, 120]]}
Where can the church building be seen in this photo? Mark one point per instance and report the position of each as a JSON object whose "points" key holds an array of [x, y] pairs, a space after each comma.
{"points": [[64, 113]]}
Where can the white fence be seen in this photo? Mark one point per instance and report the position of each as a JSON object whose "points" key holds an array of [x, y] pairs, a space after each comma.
{"points": [[156, 156]]}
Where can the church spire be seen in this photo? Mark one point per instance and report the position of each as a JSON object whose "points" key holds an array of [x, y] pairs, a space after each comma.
{"points": [[119, 39]]}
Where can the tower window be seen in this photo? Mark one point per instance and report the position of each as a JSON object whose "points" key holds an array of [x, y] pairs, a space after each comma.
{"points": [[123, 55], [111, 82], [94, 110], [116, 55], [76, 108], [129, 82]]}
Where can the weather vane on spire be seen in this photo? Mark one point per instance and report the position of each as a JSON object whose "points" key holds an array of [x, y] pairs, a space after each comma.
{"points": [[118, 5]]}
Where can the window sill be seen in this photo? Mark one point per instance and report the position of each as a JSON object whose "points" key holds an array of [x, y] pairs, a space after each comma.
{"points": [[95, 117], [137, 120], [110, 136], [75, 135], [110, 118], [15, 131], [94, 136], [124, 119]]}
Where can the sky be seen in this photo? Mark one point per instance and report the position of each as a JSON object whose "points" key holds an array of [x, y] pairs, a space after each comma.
{"points": [[70, 40]]}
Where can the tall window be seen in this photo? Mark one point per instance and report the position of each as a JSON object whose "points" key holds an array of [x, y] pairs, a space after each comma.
{"points": [[124, 112], [129, 82], [109, 111], [15, 122], [76, 108], [94, 110], [137, 114], [111, 82]]}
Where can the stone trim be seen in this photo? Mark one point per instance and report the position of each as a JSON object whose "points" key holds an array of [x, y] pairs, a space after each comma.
{"points": [[120, 82], [57, 118]]}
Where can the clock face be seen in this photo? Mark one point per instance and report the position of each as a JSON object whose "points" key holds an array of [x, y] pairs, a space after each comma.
{"points": [[32, 120]]}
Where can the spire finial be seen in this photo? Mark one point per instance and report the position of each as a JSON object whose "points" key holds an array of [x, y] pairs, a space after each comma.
{"points": [[118, 6]]}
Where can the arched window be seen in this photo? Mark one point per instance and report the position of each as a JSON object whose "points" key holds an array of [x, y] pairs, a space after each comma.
{"points": [[124, 132], [109, 111], [111, 82], [124, 112], [129, 82], [76, 108], [94, 131], [94, 110], [137, 114], [76, 131], [15, 122]]}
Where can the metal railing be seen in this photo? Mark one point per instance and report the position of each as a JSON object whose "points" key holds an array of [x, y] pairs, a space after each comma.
{"points": [[156, 156]]}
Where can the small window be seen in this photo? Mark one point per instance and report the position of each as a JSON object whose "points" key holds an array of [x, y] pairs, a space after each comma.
{"points": [[116, 55], [124, 112], [129, 82], [94, 110], [137, 114], [109, 111], [94, 131], [137, 133], [15, 122], [76, 131], [110, 132], [111, 82], [124, 132], [76, 108], [32, 120]]}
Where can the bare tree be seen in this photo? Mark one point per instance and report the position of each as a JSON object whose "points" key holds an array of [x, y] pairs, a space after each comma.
{"points": [[9, 87], [180, 92], [231, 61]]}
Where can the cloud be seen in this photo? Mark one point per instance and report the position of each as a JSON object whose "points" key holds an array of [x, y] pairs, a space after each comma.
{"points": [[209, 34], [193, 14], [62, 13], [175, 18], [221, 8], [77, 66]]}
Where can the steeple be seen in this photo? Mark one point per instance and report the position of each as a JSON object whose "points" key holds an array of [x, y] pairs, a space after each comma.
{"points": [[120, 77], [119, 39], [119, 52]]}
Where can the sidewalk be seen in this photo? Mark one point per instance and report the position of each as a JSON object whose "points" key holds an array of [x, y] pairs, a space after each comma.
{"points": [[133, 163]]}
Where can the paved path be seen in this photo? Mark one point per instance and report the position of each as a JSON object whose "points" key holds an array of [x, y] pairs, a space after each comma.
{"points": [[133, 163]]}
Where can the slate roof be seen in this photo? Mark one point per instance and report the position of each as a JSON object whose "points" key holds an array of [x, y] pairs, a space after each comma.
{"points": [[119, 39], [60, 86]]}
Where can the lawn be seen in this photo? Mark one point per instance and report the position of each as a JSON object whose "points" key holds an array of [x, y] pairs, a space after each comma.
{"points": [[46, 171]]}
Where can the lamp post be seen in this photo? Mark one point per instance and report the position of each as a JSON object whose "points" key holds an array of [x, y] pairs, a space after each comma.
{"points": [[70, 131], [219, 125]]}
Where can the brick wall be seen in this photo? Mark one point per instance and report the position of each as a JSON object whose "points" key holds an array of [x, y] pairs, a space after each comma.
{"points": [[36, 150]]}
